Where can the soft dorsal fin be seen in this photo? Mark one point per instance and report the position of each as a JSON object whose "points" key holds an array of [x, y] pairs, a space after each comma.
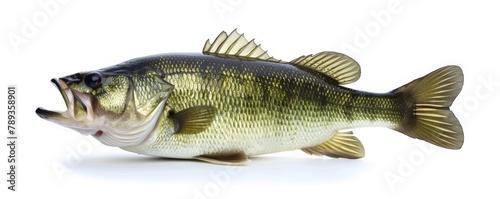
{"points": [[337, 66], [235, 45], [342, 145]]}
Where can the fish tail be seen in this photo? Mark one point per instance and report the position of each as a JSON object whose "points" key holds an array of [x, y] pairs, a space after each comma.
{"points": [[427, 101]]}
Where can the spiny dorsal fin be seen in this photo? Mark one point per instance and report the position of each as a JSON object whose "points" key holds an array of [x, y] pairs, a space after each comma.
{"points": [[193, 120], [236, 46], [342, 145], [337, 66], [228, 158]]}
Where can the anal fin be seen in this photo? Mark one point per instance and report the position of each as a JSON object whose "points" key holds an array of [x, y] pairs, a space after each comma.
{"points": [[229, 158], [342, 145]]}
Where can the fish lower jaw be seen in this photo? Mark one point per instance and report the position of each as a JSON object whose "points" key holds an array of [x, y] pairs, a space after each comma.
{"points": [[78, 105]]}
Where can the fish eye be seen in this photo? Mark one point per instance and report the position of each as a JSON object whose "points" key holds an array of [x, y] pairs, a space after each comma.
{"points": [[93, 80]]}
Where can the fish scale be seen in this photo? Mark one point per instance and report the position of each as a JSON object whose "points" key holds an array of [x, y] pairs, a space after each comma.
{"points": [[234, 101], [252, 107]]}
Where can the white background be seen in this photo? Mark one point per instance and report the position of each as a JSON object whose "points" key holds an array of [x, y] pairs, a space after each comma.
{"points": [[394, 42]]}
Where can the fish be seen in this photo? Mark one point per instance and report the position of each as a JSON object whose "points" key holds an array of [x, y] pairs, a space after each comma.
{"points": [[234, 101]]}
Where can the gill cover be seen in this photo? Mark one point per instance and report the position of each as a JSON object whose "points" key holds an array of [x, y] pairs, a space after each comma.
{"points": [[130, 102]]}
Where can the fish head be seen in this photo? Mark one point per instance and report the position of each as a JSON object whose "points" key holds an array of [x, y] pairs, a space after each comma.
{"points": [[116, 106]]}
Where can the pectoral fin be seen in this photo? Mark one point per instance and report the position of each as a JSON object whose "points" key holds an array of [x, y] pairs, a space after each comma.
{"points": [[342, 145], [230, 158], [193, 120]]}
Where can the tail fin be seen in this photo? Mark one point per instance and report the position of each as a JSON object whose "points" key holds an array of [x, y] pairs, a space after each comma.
{"points": [[430, 98]]}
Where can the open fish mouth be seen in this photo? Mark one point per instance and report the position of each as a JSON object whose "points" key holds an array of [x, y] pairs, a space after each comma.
{"points": [[78, 105]]}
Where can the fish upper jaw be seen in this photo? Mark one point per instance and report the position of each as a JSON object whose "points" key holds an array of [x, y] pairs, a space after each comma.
{"points": [[79, 114]]}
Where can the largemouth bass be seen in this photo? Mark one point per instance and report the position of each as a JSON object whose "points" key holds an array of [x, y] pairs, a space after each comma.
{"points": [[234, 100]]}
